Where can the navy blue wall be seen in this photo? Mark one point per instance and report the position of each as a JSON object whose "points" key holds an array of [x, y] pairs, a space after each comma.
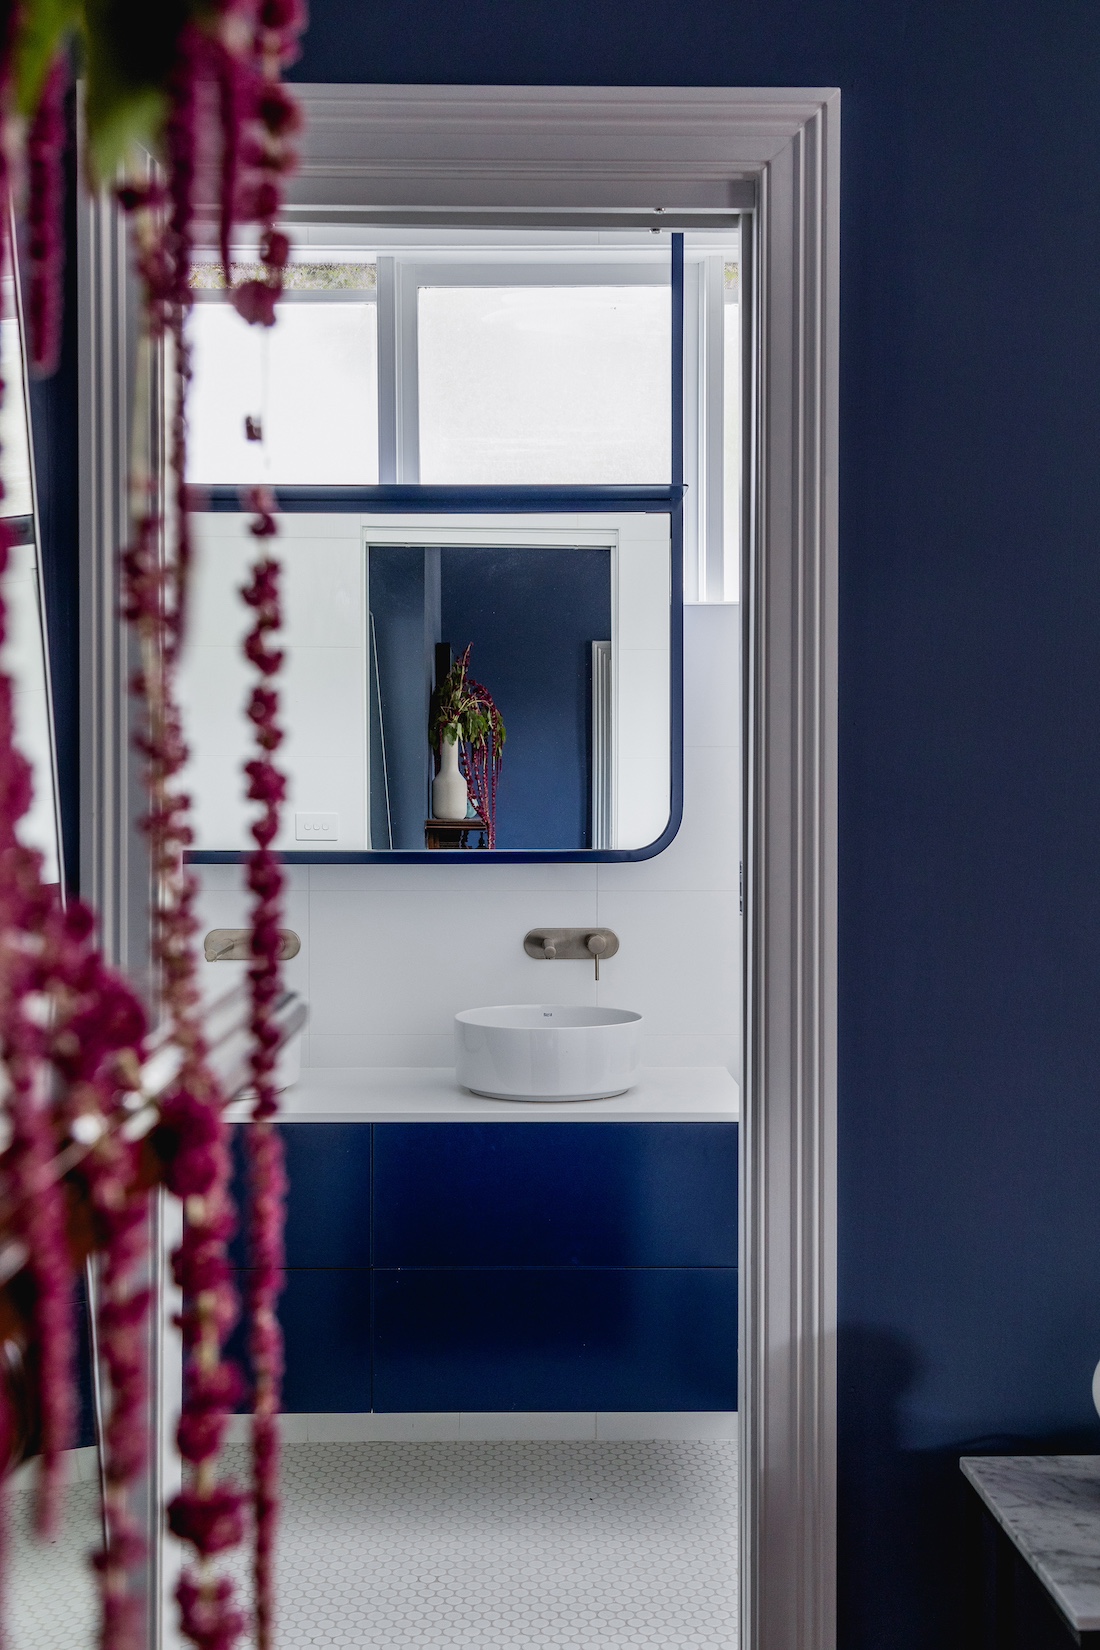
{"points": [[531, 618], [970, 696]]}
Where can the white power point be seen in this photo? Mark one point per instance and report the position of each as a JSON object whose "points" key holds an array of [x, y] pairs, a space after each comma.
{"points": [[316, 827]]}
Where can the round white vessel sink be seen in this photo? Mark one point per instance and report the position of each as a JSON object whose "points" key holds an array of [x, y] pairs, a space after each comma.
{"points": [[544, 1051]]}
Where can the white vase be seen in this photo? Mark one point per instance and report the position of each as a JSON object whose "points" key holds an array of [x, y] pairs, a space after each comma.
{"points": [[449, 794]]}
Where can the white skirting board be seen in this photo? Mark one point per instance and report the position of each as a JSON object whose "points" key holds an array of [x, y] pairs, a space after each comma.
{"points": [[420, 1426], [568, 1426], [81, 1466]]}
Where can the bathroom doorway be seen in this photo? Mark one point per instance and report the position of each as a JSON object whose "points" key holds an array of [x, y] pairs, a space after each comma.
{"points": [[768, 159], [511, 1326]]}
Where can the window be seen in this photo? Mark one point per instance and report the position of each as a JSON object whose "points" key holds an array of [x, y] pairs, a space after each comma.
{"points": [[23, 652], [564, 384], [479, 358], [312, 380]]}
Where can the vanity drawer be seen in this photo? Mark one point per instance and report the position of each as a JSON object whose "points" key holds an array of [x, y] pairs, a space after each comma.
{"points": [[555, 1194], [558, 1339], [328, 1200], [326, 1321]]}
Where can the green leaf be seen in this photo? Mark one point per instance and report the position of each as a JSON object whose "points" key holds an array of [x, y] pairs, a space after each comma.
{"points": [[120, 119], [131, 48], [44, 27]]}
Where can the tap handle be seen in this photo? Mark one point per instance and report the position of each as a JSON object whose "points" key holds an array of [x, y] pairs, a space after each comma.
{"points": [[597, 945]]}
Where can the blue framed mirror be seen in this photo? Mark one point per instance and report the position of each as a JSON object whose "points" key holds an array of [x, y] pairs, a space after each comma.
{"points": [[479, 452]]}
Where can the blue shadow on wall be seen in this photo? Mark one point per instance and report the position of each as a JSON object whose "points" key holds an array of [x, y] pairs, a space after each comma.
{"points": [[530, 620]]}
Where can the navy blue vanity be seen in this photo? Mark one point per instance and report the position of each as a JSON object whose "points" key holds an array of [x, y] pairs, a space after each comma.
{"points": [[484, 1265]]}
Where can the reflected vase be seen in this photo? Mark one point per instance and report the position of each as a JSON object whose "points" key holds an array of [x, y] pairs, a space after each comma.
{"points": [[450, 796]]}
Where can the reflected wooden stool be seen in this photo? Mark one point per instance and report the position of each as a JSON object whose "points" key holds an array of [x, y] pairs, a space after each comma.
{"points": [[455, 833]]}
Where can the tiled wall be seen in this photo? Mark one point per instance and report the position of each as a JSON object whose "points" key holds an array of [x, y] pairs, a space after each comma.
{"points": [[391, 952]]}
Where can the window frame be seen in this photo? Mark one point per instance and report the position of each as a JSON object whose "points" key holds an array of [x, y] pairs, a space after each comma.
{"points": [[710, 571], [399, 286]]}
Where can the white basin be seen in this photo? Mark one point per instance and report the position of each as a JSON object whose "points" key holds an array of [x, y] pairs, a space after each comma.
{"points": [[544, 1051]]}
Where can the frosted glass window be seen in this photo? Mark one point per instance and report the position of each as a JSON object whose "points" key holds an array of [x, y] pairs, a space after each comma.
{"points": [[530, 384], [23, 658], [312, 379], [15, 458]]}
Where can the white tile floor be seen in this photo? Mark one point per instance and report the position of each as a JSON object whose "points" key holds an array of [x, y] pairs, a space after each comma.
{"points": [[51, 1597], [472, 1545], [464, 1546]]}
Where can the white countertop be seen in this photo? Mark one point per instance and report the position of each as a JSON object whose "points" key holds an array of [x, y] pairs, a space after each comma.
{"points": [[430, 1094]]}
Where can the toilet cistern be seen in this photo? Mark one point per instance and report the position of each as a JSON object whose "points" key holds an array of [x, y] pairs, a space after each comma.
{"points": [[571, 944]]}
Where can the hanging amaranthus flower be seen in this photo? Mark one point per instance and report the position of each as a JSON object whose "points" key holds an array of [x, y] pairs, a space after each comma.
{"points": [[70, 1037], [267, 786], [45, 207], [465, 712], [226, 56]]}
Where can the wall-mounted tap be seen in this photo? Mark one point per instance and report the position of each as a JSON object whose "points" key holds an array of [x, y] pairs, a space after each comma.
{"points": [[235, 945], [571, 944]]}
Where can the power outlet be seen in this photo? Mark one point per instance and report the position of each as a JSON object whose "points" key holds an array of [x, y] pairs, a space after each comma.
{"points": [[316, 827]]}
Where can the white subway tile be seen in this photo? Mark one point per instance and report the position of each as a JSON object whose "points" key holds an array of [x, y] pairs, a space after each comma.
{"points": [[678, 963], [323, 705], [705, 852], [712, 675], [698, 1050], [323, 603], [381, 1049], [474, 876], [227, 907], [219, 879], [408, 962]]}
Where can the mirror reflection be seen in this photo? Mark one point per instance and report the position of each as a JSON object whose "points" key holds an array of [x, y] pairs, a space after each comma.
{"points": [[453, 682], [24, 654], [495, 358]]}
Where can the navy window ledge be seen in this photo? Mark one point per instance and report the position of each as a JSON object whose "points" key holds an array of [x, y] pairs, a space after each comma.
{"points": [[666, 499], [659, 499]]}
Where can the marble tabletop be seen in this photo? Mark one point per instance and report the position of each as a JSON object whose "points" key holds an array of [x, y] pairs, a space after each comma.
{"points": [[1049, 1507]]}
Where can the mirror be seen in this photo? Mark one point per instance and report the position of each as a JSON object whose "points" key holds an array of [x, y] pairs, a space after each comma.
{"points": [[477, 437], [564, 620], [24, 654]]}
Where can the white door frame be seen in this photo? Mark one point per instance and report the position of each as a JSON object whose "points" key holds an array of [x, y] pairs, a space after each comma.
{"points": [[567, 155], [570, 153]]}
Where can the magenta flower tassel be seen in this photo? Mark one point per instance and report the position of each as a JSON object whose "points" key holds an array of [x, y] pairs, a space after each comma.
{"points": [[75, 1174], [45, 209], [191, 1135], [24, 1015], [267, 786], [71, 1037]]}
